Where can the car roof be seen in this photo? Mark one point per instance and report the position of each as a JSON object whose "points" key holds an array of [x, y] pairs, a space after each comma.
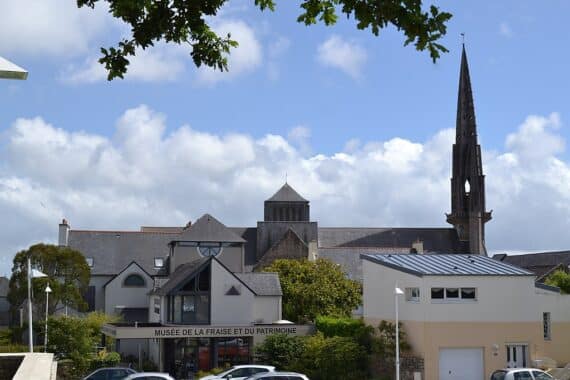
{"points": [[252, 366], [143, 374], [520, 369], [277, 374]]}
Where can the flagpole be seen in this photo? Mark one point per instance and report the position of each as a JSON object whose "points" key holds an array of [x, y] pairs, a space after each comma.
{"points": [[30, 334]]}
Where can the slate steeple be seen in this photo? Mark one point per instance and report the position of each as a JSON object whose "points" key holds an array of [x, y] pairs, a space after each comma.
{"points": [[468, 214]]}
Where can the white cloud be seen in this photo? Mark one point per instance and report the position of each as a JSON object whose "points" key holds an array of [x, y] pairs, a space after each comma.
{"points": [[159, 63], [50, 27], [505, 30], [344, 55], [144, 175], [242, 60]]}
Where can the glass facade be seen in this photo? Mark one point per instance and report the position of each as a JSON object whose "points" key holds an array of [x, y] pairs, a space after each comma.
{"points": [[190, 304]]}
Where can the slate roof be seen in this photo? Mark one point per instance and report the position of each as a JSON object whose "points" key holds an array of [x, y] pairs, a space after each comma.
{"points": [[434, 239], [114, 250], [447, 265], [181, 273], [541, 263], [249, 234], [286, 194], [262, 283], [209, 229], [349, 258]]}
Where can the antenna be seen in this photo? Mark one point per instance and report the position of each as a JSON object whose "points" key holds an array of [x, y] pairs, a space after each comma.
{"points": [[463, 38], [285, 177]]}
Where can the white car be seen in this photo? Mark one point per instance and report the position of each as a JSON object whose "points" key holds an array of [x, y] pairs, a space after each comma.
{"points": [[240, 372], [149, 376], [279, 376], [520, 374]]}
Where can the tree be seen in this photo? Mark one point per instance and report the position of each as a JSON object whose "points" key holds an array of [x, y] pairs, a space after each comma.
{"points": [[76, 339], [386, 344], [561, 280], [185, 21], [67, 275], [313, 288]]}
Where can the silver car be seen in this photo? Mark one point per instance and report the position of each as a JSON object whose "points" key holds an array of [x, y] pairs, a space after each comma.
{"points": [[112, 373], [240, 372], [278, 376], [520, 374], [149, 376]]}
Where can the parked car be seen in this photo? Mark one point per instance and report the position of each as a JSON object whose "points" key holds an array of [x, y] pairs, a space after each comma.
{"points": [[520, 374], [114, 373], [240, 372], [149, 376], [278, 376]]}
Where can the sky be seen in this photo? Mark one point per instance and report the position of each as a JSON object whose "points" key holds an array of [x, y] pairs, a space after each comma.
{"points": [[359, 125]]}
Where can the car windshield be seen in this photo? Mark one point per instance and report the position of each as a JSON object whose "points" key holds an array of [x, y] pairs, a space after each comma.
{"points": [[539, 375]]}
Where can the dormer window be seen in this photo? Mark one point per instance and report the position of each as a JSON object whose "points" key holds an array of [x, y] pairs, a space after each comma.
{"points": [[89, 261], [158, 262]]}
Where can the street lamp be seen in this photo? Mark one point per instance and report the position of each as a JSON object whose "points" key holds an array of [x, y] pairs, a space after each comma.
{"points": [[397, 292], [8, 70], [32, 273], [48, 291]]}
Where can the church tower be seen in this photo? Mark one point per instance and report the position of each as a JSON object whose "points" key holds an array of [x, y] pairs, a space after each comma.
{"points": [[468, 214]]}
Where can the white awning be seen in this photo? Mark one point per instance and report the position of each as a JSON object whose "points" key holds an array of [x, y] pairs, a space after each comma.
{"points": [[8, 70]]}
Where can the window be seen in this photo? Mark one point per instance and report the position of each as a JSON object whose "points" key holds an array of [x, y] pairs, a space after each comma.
{"points": [[190, 303], [413, 294], [468, 293], [209, 249], [89, 298], [546, 325], [158, 262], [541, 376], [498, 375], [134, 281], [437, 293], [454, 294], [89, 261], [522, 375]]}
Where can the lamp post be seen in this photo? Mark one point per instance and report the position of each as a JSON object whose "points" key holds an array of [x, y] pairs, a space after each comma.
{"points": [[397, 292], [48, 291], [32, 273]]}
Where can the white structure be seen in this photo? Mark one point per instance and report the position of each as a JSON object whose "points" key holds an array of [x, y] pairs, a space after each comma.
{"points": [[468, 315], [8, 70]]}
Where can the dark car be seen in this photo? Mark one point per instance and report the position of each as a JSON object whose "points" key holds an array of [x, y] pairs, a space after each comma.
{"points": [[115, 373]]}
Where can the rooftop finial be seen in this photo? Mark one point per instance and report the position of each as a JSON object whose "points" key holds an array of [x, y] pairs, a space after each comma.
{"points": [[463, 38], [285, 177]]}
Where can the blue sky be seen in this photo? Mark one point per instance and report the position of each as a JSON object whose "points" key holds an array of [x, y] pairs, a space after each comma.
{"points": [[360, 123]]}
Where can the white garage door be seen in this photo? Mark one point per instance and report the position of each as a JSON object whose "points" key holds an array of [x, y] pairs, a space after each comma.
{"points": [[461, 363]]}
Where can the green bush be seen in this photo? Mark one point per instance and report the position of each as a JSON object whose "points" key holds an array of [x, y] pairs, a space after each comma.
{"points": [[105, 359], [213, 371], [280, 350], [346, 327]]}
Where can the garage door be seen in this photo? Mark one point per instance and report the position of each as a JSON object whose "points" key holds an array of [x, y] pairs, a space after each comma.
{"points": [[461, 363]]}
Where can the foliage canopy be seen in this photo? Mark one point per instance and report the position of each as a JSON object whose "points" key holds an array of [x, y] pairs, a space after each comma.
{"points": [[67, 275], [561, 280], [186, 22], [313, 288]]}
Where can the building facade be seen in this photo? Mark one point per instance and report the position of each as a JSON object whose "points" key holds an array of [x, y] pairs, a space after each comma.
{"points": [[467, 315]]}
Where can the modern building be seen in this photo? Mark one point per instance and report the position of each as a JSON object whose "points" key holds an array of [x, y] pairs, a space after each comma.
{"points": [[467, 315], [4, 304]]}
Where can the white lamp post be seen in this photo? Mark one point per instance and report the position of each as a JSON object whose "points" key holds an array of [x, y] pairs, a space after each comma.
{"points": [[8, 70], [397, 292], [48, 291], [32, 273]]}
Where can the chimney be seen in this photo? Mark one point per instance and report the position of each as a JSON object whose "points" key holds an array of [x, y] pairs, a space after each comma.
{"points": [[63, 233], [418, 246]]}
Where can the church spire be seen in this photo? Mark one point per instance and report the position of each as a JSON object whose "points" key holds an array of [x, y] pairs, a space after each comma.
{"points": [[466, 125], [468, 214]]}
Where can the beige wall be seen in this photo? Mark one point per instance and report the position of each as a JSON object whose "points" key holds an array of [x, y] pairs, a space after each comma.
{"points": [[267, 309], [234, 310]]}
